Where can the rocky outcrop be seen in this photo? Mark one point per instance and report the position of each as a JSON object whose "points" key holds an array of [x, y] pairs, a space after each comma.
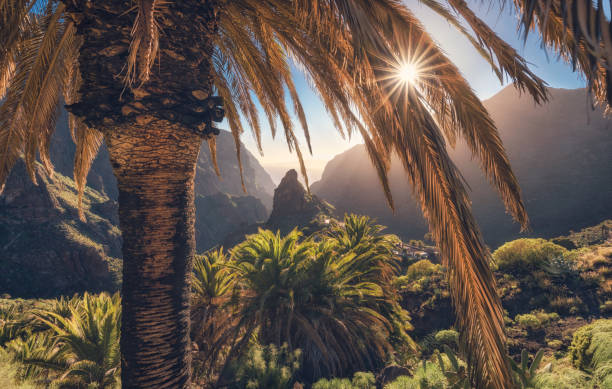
{"points": [[294, 207], [220, 215]]}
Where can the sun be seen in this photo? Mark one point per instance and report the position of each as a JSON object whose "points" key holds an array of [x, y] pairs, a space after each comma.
{"points": [[408, 73]]}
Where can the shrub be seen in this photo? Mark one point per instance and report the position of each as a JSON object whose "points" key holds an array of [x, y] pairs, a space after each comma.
{"points": [[528, 321], [524, 254], [562, 376], [427, 376], [264, 367], [591, 346], [535, 320], [421, 269], [361, 380], [447, 337], [568, 305]]}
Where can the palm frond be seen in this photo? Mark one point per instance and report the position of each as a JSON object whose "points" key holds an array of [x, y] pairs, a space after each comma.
{"points": [[145, 42], [579, 31], [29, 111]]}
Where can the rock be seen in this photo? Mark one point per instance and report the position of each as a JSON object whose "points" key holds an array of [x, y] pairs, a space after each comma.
{"points": [[294, 207], [220, 215], [390, 374]]}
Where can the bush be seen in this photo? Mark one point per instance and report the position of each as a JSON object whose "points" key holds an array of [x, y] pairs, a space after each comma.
{"points": [[591, 348], [535, 320], [421, 269], [361, 380], [562, 376], [525, 254], [429, 376], [568, 305], [266, 367], [447, 337]]}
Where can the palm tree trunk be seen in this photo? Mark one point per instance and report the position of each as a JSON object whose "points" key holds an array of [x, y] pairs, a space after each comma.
{"points": [[155, 169]]}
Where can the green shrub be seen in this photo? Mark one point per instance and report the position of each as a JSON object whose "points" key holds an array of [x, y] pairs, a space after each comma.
{"points": [[535, 320], [361, 380], [591, 346], [421, 269], [528, 321], [447, 337], [525, 254], [562, 377], [568, 305], [266, 367], [429, 376]]}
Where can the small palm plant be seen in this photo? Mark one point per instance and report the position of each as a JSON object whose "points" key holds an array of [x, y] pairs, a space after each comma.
{"points": [[34, 354], [525, 373], [86, 348], [213, 321], [455, 373]]}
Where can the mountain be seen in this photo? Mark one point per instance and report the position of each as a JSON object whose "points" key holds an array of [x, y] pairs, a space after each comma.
{"points": [[257, 181], [560, 152], [293, 207], [45, 250]]}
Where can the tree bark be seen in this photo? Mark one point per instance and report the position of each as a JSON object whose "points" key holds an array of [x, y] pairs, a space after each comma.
{"points": [[155, 170]]}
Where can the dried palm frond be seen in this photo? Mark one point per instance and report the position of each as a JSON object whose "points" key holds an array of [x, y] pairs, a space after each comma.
{"points": [[29, 111], [579, 31], [145, 42]]}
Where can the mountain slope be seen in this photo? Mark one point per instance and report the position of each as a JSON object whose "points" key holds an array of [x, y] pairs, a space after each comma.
{"points": [[45, 250], [560, 153]]}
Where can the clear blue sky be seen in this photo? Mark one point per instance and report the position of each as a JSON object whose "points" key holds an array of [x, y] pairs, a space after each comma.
{"points": [[327, 142]]}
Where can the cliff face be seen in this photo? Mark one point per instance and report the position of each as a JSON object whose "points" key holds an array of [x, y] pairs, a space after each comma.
{"points": [[559, 151], [45, 250]]}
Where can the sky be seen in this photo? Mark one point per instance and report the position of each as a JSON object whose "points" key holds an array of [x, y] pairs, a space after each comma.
{"points": [[327, 142]]}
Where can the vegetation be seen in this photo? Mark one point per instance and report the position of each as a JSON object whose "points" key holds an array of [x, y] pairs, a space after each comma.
{"points": [[320, 296], [523, 255], [349, 49], [280, 312]]}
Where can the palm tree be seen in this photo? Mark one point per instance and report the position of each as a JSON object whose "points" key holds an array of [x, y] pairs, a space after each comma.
{"points": [[140, 76], [328, 303]]}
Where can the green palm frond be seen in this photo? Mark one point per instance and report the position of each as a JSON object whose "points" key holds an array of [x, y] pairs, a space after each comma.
{"points": [[87, 340]]}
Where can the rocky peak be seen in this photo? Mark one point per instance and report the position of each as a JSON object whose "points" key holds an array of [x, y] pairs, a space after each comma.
{"points": [[294, 206]]}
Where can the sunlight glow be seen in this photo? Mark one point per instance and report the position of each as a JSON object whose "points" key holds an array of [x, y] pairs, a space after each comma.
{"points": [[408, 73]]}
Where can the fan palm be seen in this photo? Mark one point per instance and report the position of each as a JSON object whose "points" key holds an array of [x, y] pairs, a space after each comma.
{"points": [[325, 302], [153, 118]]}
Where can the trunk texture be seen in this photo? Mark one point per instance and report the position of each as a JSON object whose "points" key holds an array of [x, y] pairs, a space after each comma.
{"points": [[155, 170]]}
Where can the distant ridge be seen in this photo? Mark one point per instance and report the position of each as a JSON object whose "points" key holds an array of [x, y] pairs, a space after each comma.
{"points": [[561, 153]]}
